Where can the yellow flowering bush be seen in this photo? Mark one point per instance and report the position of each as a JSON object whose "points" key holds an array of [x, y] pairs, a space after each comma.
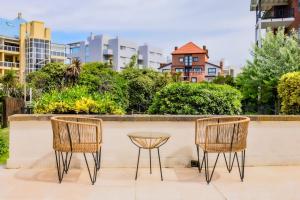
{"points": [[77, 100]]}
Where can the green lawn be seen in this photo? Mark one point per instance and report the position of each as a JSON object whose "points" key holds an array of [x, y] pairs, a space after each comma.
{"points": [[4, 134]]}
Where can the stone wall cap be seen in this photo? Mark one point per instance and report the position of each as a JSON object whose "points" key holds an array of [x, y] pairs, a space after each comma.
{"points": [[47, 117]]}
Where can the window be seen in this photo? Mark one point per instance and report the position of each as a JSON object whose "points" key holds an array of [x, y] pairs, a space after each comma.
{"points": [[188, 60], [105, 46], [198, 69], [181, 60], [212, 71], [75, 50], [194, 80], [195, 59], [179, 70], [37, 54], [122, 47]]}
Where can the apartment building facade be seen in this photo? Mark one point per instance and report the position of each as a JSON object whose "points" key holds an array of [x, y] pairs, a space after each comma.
{"points": [[117, 51], [274, 14], [26, 46]]}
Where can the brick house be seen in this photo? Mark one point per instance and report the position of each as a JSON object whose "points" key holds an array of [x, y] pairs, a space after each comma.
{"points": [[190, 61]]}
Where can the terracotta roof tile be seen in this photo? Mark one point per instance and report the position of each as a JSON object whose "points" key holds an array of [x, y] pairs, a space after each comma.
{"points": [[189, 48]]}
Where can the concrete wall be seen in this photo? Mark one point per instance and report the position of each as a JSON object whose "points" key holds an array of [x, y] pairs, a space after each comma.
{"points": [[269, 142]]}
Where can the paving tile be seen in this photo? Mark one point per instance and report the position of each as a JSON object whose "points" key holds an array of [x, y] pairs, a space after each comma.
{"points": [[179, 184]]}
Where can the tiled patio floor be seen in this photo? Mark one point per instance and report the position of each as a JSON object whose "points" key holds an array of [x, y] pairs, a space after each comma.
{"points": [[117, 183]]}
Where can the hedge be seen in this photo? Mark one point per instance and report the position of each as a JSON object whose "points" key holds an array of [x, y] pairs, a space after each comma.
{"points": [[197, 99], [289, 92]]}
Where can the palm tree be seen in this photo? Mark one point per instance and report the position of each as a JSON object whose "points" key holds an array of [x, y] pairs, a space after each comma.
{"points": [[9, 82], [73, 72]]}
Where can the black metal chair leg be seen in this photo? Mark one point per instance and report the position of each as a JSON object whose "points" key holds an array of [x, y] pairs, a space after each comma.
{"points": [[94, 176], [68, 165], [60, 169], [161, 176], [200, 165], [230, 163], [150, 161], [242, 165], [198, 159], [66, 161], [207, 175], [137, 166], [99, 159]]}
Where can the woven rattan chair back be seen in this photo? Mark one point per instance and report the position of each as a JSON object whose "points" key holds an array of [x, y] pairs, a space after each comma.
{"points": [[222, 134], [76, 134]]}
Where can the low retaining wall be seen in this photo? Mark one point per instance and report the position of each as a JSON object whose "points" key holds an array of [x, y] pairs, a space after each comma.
{"points": [[272, 140]]}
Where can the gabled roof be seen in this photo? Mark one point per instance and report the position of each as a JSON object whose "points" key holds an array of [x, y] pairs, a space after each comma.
{"points": [[209, 63], [10, 28], [189, 48]]}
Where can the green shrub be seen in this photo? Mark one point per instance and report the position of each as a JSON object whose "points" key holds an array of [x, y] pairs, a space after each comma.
{"points": [[142, 86], [289, 92], [77, 99], [197, 99], [101, 78], [3, 146]]}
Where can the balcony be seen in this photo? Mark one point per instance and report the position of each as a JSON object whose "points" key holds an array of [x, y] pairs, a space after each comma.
{"points": [[9, 64], [277, 17], [108, 52], [9, 48]]}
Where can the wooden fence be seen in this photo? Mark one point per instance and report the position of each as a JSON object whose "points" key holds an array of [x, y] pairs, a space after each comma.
{"points": [[11, 106]]}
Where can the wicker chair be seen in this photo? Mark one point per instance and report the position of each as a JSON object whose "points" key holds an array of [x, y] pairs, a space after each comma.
{"points": [[76, 135], [222, 135]]}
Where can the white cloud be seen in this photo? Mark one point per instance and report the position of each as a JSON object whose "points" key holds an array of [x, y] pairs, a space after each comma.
{"points": [[226, 27]]}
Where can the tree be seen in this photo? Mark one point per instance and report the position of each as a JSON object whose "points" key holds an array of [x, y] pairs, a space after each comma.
{"points": [[73, 72], [101, 78], [133, 62], [258, 82], [10, 84], [228, 80], [49, 77], [142, 86]]}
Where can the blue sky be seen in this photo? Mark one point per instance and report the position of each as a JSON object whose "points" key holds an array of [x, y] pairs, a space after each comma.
{"points": [[225, 27]]}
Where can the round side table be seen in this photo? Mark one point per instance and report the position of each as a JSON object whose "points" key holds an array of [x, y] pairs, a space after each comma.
{"points": [[148, 140]]}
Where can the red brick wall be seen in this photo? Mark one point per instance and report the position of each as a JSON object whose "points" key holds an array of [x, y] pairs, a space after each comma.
{"points": [[201, 63], [296, 23]]}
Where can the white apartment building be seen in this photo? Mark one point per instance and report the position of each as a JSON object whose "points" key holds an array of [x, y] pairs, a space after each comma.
{"points": [[101, 48]]}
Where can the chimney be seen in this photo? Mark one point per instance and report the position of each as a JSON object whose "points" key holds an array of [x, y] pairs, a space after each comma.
{"points": [[176, 48], [204, 47], [222, 63], [19, 15], [222, 66]]}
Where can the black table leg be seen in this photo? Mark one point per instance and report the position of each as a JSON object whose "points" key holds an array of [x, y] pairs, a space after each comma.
{"points": [[150, 161], [161, 176], [137, 166]]}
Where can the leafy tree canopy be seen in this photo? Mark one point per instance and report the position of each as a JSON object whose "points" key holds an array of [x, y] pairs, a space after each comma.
{"points": [[279, 54]]}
